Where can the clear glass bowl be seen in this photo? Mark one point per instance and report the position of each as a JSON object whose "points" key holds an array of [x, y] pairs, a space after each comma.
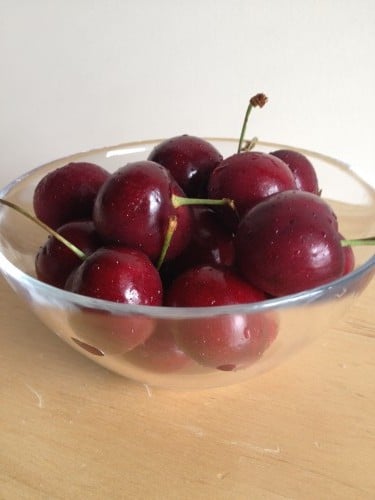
{"points": [[97, 328]]}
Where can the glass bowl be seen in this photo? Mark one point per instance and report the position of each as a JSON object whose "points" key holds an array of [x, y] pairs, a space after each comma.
{"points": [[99, 329]]}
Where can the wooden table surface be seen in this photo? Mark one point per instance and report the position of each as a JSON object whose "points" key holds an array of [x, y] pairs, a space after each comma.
{"points": [[70, 429]]}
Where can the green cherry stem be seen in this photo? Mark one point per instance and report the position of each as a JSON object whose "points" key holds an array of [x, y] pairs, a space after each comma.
{"points": [[44, 226], [259, 100], [172, 225], [179, 201], [360, 242]]}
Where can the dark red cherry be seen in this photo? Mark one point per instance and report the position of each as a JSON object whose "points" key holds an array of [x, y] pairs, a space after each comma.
{"points": [[118, 274], [226, 342], [349, 258], [68, 193], [55, 261], [134, 207], [289, 243], [248, 178], [190, 160], [211, 244], [203, 286], [159, 353], [303, 170]]}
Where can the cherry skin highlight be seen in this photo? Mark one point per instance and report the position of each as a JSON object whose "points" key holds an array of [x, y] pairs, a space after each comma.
{"points": [[68, 193]]}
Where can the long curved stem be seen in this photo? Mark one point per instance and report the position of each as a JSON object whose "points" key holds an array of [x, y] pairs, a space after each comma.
{"points": [[259, 100], [44, 226]]}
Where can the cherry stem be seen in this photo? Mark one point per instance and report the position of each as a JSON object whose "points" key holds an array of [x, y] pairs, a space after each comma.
{"points": [[360, 242], [179, 201], [172, 225], [258, 100], [44, 226]]}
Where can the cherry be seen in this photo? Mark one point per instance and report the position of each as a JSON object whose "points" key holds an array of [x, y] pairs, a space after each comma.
{"points": [[248, 178], [211, 244], [303, 170], [68, 193], [159, 353], [101, 333], [122, 275], [204, 285], [228, 341], [134, 208], [289, 243], [349, 258], [55, 261], [190, 160], [118, 274]]}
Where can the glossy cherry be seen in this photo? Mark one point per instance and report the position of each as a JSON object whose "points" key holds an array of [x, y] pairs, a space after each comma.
{"points": [[68, 193], [54, 261], [190, 160], [121, 275], [303, 170], [248, 178], [118, 274], [134, 208], [225, 342], [289, 243]]}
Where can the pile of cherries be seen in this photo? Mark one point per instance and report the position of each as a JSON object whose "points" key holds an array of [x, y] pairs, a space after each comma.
{"points": [[189, 228]]}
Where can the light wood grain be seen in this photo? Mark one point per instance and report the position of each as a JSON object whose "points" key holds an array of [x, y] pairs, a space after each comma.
{"points": [[72, 430]]}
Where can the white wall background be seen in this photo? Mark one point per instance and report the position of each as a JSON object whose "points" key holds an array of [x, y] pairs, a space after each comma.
{"points": [[78, 74]]}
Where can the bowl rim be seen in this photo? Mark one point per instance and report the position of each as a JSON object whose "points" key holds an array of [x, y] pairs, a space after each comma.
{"points": [[335, 288]]}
